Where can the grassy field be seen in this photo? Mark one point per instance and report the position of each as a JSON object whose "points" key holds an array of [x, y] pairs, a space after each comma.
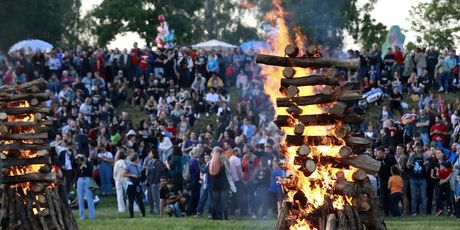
{"points": [[109, 219]]}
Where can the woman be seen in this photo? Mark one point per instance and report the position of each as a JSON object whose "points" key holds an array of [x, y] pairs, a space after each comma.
{"points": [[219, 174], [175, 168], [134, 190], [120, 181], [165, 147], [84, 171]]}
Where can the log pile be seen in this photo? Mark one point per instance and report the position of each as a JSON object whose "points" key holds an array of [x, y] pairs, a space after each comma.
{"points": [[29, 195], [323, 144]]}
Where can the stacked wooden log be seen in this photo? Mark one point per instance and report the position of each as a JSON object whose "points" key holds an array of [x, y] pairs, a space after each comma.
{"points": [[336, 103], [29, 194]]}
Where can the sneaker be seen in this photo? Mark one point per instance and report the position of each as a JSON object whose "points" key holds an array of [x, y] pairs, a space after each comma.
{"points": [[441, 89], [209, 217], [207, 114], [415, 214], [254, 216], [198, 116], [264, 218], [439, 212]]}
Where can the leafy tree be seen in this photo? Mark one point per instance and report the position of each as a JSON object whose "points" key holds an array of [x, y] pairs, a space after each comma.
{"points": [[437, 21], [51, 20]]}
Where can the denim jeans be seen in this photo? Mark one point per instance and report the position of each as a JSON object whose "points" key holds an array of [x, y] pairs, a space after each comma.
{"points": [[261, 200], [444, 79], [205, 197], [425, 138], [106, 177], [418, 186], [82, 192], [251, 189], [153, 197]]}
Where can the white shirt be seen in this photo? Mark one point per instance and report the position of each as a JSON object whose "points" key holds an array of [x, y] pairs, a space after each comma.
{"points": [[86, 109], [165, 144], [235, 162], [453, 119], [118, 169], [107, 154], [212, 97]]}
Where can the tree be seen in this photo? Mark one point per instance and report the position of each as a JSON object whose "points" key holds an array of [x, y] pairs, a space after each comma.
{"points": [[52, 20], [437, 22]]}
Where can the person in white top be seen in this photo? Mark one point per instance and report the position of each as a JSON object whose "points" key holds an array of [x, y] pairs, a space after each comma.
{"points": [[86, 110], [236, 172], [120, 180], [165, 147], [211, 101]]}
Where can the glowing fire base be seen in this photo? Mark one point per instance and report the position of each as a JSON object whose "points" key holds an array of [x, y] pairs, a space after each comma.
{"points": [[327, 186], [29, 194]]}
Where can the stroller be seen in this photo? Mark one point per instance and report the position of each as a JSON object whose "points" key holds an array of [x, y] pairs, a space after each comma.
{"points": [[372, 96]]}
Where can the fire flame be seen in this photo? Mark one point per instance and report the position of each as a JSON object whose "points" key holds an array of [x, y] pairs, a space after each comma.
{"points": [[316, 187]]}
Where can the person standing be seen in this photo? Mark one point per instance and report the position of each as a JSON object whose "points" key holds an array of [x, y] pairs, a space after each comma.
{"points": [[219, 171], [457, 198], [439, 130], [105, 167], [238, 199], [249, 165], [194, 172], [120, 181], [134, 190], [418, 175], [84, 172], [387, 161], [155, 169], [395, 185], [205, 191], [401, 158]]}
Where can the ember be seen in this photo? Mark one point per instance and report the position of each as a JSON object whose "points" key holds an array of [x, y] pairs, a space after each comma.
{"points": [[30, 197], [328, 187]]}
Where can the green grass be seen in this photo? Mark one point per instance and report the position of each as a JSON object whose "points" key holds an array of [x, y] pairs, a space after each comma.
{"points": [[109, 219]]}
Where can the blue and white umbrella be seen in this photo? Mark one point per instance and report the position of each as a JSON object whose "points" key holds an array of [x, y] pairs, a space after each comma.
{"points": [[31, 44], [256, 46]]}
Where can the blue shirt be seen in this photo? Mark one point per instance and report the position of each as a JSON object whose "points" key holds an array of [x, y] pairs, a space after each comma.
{"points": [[451, 155], [274, 187], [457, 190]]}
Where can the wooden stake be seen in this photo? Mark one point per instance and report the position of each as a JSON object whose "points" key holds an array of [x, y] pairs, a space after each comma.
{"points": [[307, 62], [288, 72]]}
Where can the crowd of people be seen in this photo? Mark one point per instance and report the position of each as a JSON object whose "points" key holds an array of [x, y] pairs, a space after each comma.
{"points": [[418, 133], [190, 154], [194, 153]]}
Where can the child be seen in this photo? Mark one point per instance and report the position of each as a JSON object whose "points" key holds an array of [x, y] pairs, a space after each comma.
{"points": [[395, 185], [457, 198], [275, 188]]}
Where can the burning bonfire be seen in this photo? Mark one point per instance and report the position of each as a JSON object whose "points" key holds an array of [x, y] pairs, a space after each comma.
{"points": [[328, 186], [30, 198]]}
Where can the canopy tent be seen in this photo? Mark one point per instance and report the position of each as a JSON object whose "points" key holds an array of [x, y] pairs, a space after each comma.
{"points": [[256, 46], [31, 44], [213, 44]]}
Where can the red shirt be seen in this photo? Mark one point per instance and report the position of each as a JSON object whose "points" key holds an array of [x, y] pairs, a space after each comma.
{"points": [[444, 173], [248, 165], [143, 64], [439, 127], [134, 54], [399, 57]]}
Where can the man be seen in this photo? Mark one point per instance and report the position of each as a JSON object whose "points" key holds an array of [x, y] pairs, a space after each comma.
{"points": [[439, 130], [155, 169], [236, 172], [86, 110], [389, 60], [250, 164], [205, 191], [431, 62], [248, 129], [171, 199], [417, 164], [387, 161]]}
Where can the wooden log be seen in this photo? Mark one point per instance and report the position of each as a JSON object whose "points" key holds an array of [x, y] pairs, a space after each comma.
{"points": [[24, 136], [361, 202], [3, 116], [309, 80], [299, 129], [25, 96], [292, 91], [53, 213], [293, 140], [38, 187], [21, 146], [294, 110], [308, 120], [304, 150], [359, 175], [307, 62], [343, 187], [291, 50], [345, 151], [342, 131], [309, 167], [10, 162], [342, 221], [288, 72], [32, 177], [353, 220], [25, 123], [364, 162], [346, 97], [55, 199], [282, 223], [26, 110], [35, 84], [331, 222], [357, 142]]}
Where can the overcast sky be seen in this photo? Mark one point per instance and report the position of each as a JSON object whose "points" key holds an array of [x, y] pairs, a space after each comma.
{"points": [[388, 12]]}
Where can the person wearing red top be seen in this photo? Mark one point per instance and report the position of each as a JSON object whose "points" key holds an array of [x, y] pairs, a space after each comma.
{"points": [[399, 57], [100, 64], [438, 130], [250, 165], [441, 172]]}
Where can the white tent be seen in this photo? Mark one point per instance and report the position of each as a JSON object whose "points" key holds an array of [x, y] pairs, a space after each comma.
{"points": [[213, 44], [31, 44]]}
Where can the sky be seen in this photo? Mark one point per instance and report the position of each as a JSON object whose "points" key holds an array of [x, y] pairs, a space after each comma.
{"points": [[388, 12]]}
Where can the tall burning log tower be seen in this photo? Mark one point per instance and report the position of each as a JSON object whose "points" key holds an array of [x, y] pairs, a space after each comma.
{"points": [[328, 186], [30, 198]]}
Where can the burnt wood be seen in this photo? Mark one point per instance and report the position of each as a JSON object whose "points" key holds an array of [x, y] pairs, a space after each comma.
{"points": [[307, 62]]}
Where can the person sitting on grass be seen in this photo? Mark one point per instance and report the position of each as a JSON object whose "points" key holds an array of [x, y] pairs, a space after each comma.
{"points": [[212, 99], [171, 200]]}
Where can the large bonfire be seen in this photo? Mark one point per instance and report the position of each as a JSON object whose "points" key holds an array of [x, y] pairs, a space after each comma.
{"points": [[327, 187]]}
